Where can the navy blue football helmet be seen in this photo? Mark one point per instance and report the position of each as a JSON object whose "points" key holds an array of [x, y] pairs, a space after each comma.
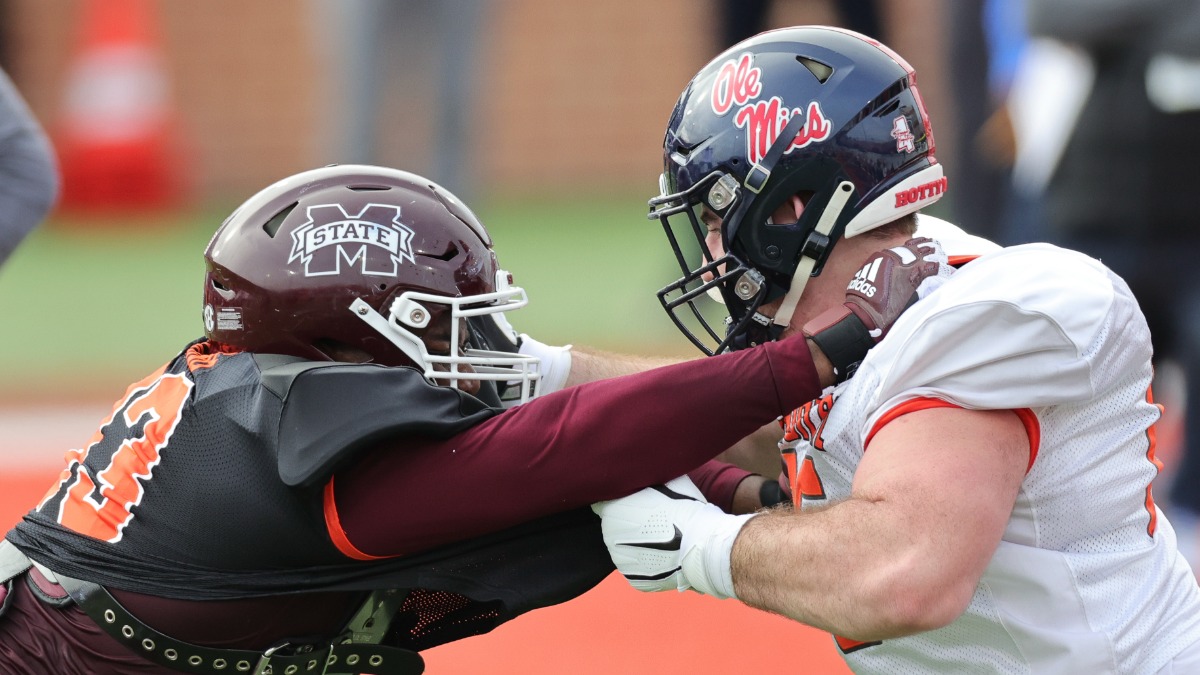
{"points": [[820, 112]]}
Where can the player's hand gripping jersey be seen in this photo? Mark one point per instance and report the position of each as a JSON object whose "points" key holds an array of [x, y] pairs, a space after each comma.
{"points": [[1056, 337]]}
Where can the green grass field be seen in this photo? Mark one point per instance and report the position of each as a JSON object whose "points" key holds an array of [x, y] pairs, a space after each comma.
{"points": [[88, 305]]}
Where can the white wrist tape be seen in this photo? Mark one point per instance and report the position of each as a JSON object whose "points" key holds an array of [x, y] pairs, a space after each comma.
{"points": [[555, 366], [706, 565]]}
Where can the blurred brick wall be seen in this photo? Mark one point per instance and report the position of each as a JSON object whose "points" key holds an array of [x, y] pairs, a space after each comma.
{"points": [[242, 77], [573, 94]]}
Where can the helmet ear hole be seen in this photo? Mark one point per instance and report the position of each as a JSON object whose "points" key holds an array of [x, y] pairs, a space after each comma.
{"points": [[341, 352]]}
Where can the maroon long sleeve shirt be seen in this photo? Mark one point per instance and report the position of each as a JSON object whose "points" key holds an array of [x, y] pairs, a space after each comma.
{"points": [[581, 445]]}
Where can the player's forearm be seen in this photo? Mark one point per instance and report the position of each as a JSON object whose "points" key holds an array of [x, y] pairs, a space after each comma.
{"points": [[590, 365], [720, 482], [854, 569]]}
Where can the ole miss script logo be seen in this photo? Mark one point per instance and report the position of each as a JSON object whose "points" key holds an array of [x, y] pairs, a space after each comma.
{"points": [[738, 85], [373, 240]]}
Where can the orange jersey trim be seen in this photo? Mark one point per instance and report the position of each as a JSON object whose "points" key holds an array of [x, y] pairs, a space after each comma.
{"points": [[846, 645], [1152, 438], [204, 354], [333, 525], [960, 260], [1028, 420]]}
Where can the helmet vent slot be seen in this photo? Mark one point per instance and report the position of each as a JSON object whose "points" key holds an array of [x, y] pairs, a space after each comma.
{"points": [[889, 109], [272, 226], [451, 251], [819, 70], [368, 188], [221, 289]]}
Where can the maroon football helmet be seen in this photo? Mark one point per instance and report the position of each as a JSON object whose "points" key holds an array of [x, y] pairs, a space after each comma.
{"points": [[355, 259]]}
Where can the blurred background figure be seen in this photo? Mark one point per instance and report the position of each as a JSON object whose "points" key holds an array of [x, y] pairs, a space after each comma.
{"points": [[1125, 188], [405, 65], [1016, 98], [28, 171], [739, 19], [984, 41]]}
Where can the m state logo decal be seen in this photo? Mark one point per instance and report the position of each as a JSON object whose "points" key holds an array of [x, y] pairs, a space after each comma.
{"points": [[373, 239]]}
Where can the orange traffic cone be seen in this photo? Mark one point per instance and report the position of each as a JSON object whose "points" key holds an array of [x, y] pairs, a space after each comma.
{"points": [[118, 137]]}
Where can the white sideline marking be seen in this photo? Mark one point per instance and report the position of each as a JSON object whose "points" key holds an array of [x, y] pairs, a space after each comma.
{"points": [[36, 438]]}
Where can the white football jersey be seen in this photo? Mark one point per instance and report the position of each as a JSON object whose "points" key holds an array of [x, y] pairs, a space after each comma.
{"points": [[1087, 578]]}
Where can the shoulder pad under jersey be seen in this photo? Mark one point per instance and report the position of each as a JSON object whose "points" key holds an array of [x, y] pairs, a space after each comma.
{"points": [[331, 410]]}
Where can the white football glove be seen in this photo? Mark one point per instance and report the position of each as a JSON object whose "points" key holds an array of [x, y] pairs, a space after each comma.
{"points": [[555, 363], [668, 537]]}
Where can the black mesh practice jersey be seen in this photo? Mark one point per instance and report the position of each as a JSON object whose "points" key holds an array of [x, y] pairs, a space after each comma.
{"points": [[204, 482]]}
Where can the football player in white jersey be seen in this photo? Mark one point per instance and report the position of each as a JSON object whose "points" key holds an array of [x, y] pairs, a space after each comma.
{"points": [[975, 493]]}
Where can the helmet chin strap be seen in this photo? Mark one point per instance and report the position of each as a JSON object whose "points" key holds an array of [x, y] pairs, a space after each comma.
{"points": [[829, 217]]}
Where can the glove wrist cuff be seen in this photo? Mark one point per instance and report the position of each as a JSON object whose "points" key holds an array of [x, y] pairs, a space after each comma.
{"points": [[842, 337], [707, 567], [555, 364]]}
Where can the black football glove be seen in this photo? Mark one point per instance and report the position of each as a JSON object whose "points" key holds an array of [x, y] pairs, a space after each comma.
{"points": [[771, 493]]}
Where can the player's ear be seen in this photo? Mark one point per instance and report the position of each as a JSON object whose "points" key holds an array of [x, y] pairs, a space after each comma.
{"points": [[789, 211]]}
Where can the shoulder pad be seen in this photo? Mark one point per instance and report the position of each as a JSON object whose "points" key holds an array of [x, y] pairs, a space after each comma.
{"points": [[331, 410]]}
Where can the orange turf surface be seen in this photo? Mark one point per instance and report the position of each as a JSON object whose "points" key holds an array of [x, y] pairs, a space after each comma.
{"points": [[611, 629]]}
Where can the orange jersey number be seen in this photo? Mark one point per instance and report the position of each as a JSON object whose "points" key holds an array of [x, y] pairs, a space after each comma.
{"points": [[148, 414]]}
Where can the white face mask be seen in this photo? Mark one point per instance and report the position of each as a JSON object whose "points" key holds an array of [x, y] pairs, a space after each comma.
{"points": [[409, 311]]}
